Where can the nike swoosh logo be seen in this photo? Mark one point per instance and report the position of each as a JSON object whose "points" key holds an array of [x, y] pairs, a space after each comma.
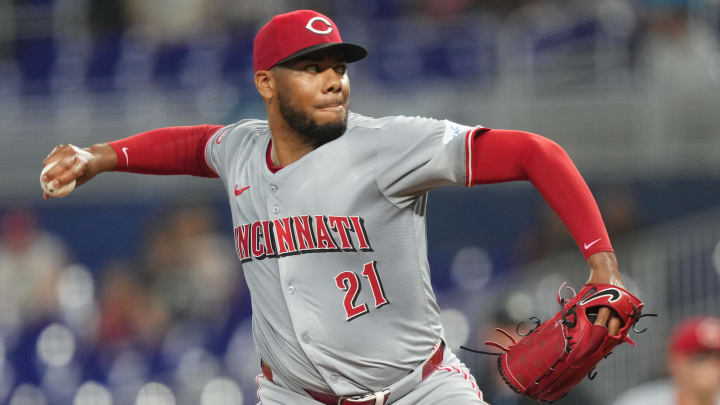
{"points": [[127, 159], [239, 191], [613, 293], [588, 245]]}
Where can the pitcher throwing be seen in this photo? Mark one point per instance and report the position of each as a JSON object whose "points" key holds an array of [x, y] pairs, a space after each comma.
{"points": [[328, 210]]}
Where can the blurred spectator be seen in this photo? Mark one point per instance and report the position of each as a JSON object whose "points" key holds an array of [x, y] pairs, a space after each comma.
{"points": [[30, 261], [255, 13], [694, 365], [678, 52], [128, 313], [191, 268], [188, 271], [156, 24]]}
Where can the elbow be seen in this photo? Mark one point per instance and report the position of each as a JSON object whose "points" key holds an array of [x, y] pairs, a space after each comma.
{"points": [[547, 150]]}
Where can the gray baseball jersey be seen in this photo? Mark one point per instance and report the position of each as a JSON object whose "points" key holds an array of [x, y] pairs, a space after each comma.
{"points": [[333, 246]]}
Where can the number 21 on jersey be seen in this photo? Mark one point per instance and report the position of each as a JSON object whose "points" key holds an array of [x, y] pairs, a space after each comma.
{"points": [[349, 282]]}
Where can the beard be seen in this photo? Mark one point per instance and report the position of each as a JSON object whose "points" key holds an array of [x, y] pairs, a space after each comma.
{"points": [[315, 134]]}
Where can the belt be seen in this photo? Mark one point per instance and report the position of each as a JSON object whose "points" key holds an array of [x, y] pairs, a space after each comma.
{"points": [[396, 390]]}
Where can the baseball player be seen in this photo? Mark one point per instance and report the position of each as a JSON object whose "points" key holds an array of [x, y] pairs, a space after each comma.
{"points": [[693, 363], [328, 211]]}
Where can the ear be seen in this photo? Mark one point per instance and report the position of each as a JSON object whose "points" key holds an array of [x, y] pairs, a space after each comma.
{"points": [[265, 84]]}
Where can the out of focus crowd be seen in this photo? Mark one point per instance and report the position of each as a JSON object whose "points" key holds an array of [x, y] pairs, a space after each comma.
{"points": [[174, 313], [55, 45]]}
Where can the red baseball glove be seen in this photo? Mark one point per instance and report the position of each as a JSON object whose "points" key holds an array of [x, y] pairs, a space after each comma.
{"points": [[557, 354]]}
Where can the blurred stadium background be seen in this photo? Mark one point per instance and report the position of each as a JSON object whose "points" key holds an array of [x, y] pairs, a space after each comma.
{"points": [[128, 291]]}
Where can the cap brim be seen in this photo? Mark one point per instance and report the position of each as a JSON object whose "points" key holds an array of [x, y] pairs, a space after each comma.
{"points": [[352, 52]]}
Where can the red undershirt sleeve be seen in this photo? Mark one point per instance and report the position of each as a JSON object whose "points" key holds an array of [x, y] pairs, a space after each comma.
{"points": [[499, 155], [172, 150]]}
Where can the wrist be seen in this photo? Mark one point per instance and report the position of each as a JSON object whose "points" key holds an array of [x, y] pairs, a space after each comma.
{"points": [[604, 269], [104, 157]]}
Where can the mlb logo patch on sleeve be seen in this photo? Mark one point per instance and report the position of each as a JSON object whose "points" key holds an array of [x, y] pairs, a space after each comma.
{"points": [[452, 130]]}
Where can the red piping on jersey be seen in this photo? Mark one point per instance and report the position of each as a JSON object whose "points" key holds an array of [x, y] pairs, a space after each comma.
{"points": [[268, 157], [205, 154], [498, 155], [468, 157]]}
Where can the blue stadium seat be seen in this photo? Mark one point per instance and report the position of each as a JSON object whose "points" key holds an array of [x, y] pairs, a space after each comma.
{"points": [[102, 64], [36, 58]]}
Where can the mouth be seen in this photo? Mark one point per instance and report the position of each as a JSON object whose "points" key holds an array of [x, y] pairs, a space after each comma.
{"points": [[331, 107]]}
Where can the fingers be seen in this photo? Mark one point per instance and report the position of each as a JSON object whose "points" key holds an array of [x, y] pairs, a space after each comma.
{"points": [[56, 153], [605, 318], [47, 158], [71, 173], [67, 167], [58, 174]]}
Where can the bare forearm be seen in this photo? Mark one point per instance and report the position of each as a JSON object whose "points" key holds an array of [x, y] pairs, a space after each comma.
{"points": [[105, 158]]}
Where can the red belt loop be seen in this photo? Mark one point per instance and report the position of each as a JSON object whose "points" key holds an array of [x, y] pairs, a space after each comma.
{"points": [[266, 370]]}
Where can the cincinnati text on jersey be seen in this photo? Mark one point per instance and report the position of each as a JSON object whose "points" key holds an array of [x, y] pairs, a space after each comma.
{"points": [[300, 234]]}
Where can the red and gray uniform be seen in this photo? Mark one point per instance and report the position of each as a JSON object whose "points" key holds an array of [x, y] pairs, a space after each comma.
{"points": [[333, 246]]}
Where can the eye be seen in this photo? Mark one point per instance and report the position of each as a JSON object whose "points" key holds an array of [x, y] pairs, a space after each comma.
{"points": [[312, 68], [341, 69]]}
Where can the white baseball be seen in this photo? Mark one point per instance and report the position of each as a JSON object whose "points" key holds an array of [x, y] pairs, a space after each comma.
{"points": [[55, 192]]}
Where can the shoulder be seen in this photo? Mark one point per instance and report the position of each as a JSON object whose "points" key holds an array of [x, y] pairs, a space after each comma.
{"points": [[358, 120], [247, 128], [235, 140], [397, 126], [241, 134], [418, 125], [416, 121], [404, 128]]}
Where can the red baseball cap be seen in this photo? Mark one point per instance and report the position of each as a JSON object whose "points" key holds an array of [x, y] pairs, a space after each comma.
{"points": [[699, 334], [298, 33]]}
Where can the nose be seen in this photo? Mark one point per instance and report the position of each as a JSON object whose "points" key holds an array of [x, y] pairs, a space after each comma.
{"points": [[332, 81]]}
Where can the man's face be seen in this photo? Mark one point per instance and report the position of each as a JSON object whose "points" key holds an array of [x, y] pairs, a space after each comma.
{"points": [[698, 373], [312, 95]]}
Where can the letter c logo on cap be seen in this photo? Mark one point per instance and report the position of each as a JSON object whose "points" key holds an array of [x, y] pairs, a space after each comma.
{"points": [[328, 30]]}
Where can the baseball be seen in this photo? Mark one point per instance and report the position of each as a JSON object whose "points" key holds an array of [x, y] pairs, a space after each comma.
{"points": [[55, 192]]}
